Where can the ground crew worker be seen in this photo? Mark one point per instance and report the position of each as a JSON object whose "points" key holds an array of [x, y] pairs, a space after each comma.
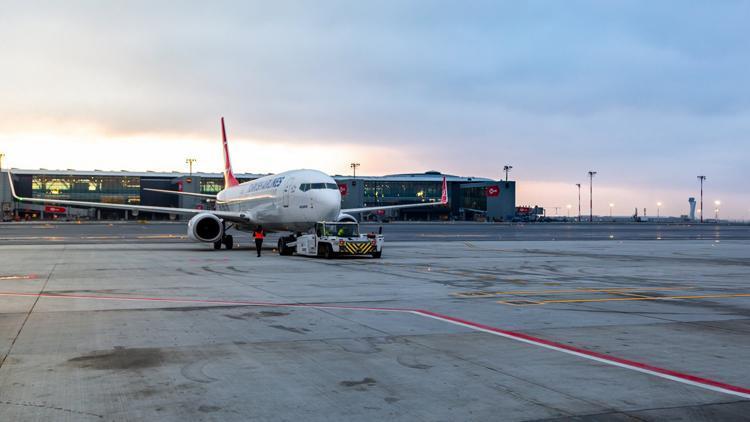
{"points": [[259, 235]]}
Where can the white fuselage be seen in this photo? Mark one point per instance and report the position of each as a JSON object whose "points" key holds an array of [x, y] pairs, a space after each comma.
{"points": [[289, 201]]}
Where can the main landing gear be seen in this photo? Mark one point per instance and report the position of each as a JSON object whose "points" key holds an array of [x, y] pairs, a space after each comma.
{"points": [[227, 240]]}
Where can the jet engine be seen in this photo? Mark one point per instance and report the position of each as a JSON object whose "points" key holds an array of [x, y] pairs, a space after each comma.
{"points": [[205, 227], [345, 218]]}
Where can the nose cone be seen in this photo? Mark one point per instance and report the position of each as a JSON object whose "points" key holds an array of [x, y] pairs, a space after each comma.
{"points": [[328, 204]]}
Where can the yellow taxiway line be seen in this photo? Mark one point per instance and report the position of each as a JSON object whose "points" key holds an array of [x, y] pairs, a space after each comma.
{"points": [[553, 292], [623, 299]]}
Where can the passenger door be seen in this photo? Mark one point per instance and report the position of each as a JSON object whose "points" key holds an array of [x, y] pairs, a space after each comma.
{"points": [[287, 193]]}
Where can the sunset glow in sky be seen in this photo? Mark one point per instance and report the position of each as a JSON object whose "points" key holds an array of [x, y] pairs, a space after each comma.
{"points": [[649, 94]]}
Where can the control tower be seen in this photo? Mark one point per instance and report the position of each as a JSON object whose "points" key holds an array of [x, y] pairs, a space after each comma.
{"points": [[691, 201]]}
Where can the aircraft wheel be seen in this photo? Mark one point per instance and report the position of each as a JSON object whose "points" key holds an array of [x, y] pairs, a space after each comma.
{"points": [[283, 249], [229, 241], [217, 245], [377, 254]]}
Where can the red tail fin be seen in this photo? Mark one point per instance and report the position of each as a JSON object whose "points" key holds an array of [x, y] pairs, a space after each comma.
{"points": [[444, 196], [229, 179]]}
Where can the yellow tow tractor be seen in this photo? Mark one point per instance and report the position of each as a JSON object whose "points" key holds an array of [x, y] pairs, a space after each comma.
{"points": [[331, 239]]}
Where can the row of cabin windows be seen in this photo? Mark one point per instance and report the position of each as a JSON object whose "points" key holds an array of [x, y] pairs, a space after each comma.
{"points": [[309, 186]]}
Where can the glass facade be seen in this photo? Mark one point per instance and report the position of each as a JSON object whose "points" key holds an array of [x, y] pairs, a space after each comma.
{"points": [[109, 189], [474, 198], [393, 192], [213, 185]]}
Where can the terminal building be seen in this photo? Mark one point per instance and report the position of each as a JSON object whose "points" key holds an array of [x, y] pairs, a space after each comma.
{"points": [[470, 198]]}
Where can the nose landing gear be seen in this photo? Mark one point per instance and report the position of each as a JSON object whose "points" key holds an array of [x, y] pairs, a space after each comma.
{"points": [[286, 245]]}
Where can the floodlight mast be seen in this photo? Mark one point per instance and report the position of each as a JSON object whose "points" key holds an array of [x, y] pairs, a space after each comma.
{"points": [[354, 169], [507, 168], [701, 178], [591, 196], [190, 162]]}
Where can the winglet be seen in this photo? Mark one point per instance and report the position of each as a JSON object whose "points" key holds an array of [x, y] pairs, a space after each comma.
{"points": [[444, 196], [229, 179]]}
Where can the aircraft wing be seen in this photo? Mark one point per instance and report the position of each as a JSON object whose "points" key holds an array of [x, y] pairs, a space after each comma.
{"points": [[391, 207], [443, 201], [238, 217], [174, 192]]}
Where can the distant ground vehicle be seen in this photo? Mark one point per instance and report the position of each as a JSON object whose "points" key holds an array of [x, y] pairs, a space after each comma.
{"points": [[330, 239]]}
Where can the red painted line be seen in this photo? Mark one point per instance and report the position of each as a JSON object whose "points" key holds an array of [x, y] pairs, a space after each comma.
{"points": [[599, 356], [529, 339]]}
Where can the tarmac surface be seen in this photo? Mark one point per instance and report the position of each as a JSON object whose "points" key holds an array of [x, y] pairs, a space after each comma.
{"points": [[151, 328], [69, 233]]}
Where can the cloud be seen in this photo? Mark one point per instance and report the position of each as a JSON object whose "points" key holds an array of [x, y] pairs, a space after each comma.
{"points": [[650, 92]]}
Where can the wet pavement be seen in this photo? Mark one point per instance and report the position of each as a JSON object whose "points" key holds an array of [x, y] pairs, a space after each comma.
{"points": [[433, 331]]}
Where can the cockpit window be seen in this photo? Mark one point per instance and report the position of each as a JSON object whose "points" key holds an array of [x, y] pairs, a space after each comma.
{"points": [[308, 186]]}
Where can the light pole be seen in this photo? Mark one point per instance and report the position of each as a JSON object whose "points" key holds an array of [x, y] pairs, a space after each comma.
{"points": [[579, 201], [507, 168], [568, 207], [717, 203], [354, 169], [658, 210], [611, 205], [1, 161], [190, 162], [701, 178], [591, 196]]}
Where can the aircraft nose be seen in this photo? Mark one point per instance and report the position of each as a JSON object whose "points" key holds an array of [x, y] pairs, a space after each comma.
{"points": [[329, 204]]}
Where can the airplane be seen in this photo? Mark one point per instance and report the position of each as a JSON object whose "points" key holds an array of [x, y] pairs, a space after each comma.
{"points": [[292, 201]]}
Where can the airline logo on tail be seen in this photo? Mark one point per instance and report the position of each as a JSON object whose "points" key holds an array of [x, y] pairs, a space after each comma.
{"points": [[229, 179]]}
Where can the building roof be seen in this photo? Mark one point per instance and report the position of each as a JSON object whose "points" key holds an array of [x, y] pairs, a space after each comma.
{"points": [[125, 173], [430, 176]]}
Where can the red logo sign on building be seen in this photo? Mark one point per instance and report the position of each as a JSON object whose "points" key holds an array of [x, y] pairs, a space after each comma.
{"points": [[523, 210], [54, 210], [344, 189], [493, 191]]}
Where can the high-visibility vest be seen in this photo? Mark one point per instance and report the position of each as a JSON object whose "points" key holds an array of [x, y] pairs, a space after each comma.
{"points": [[259, 235]]}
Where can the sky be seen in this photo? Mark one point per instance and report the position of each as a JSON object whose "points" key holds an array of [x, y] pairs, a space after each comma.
{"points": [[648, 94]]}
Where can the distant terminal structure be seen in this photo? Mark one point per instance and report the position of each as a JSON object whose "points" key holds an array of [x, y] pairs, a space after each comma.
{"points": [[691, 202], [470, 198]]}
